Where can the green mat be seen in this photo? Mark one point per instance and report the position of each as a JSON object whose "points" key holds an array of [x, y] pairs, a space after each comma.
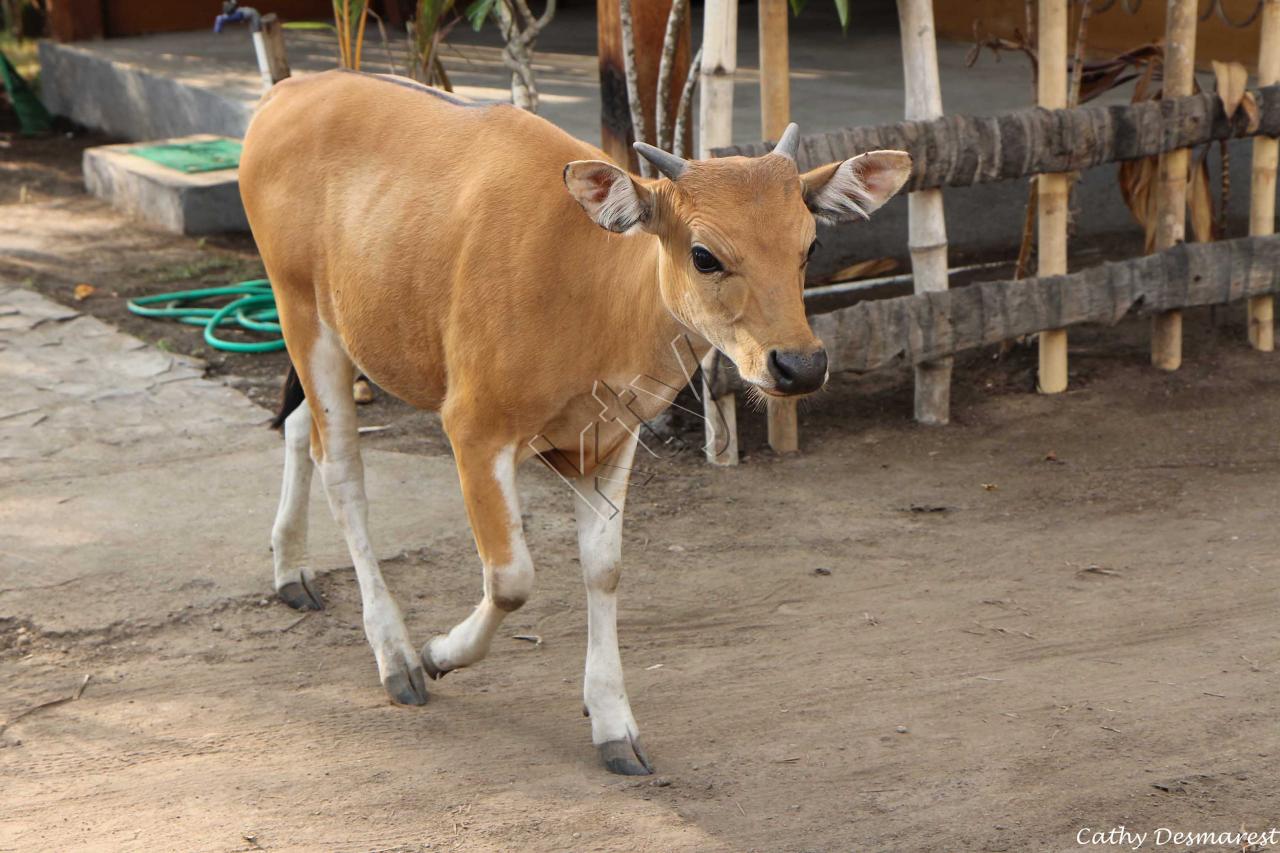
{"points": [[33, 118], [190, 157]]}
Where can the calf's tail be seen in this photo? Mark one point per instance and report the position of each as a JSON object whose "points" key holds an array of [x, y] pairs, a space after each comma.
{"points": [[292, 396]]}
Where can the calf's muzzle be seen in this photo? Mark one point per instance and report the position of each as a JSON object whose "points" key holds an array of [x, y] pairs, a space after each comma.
{"points": [[797, 372]]}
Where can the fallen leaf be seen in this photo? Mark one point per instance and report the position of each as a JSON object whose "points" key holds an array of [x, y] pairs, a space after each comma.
{"points": [[862, 269], [1250, 106], [1232, 79], [83, 292], [990, 487], [1200, 200], [1138, 179]]}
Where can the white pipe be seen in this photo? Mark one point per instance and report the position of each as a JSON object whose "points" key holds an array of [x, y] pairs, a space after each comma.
{"points": [[264, 67]]}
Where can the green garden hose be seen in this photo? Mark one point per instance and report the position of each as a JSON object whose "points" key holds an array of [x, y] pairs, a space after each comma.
{"points": [[253, 309]]}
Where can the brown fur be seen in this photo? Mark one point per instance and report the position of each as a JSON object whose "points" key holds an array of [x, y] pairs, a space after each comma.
{"points": [[439, 243]]}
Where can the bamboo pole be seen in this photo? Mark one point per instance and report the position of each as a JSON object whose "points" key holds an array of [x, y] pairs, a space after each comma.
{"points": [[1262, 204], [1052, 189], [1171, 189], [775, 69], [775, 112], [927, 239], [715, 122], [719, 61]]}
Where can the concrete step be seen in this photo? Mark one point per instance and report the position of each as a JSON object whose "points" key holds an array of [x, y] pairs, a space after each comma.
{"points": [[196, 203]]}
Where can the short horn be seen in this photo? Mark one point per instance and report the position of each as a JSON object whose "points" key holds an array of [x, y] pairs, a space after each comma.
{"points": [[668, 164], [789, 142]]}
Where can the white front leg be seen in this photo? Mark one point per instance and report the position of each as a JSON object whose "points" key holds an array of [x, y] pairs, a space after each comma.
{"points": [[599, 505]]}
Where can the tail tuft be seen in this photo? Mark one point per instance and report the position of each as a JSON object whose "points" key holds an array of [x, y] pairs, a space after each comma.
{"points": [[292, 396]]}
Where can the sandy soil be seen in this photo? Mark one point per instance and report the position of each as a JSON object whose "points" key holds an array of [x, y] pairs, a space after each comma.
{"points": [[1056, 613]]}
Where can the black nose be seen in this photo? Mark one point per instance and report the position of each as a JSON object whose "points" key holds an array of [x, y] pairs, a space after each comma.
{"points": [[797, 372]]}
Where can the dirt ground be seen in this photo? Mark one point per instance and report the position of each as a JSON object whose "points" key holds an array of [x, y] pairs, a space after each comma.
{"points": [[1054, 614]]}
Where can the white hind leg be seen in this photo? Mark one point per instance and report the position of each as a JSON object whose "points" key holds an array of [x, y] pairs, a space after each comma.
{"points": [[327, 379], [295, 583]]}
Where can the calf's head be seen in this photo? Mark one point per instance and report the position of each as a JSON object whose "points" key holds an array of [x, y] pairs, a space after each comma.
{"points": [[736, 235]]}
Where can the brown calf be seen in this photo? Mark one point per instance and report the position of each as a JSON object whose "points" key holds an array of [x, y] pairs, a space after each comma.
{"points": [[430, 243]]}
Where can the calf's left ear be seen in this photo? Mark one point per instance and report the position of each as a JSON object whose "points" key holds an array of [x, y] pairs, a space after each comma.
{"points": [[608, 195], [853, 188]]}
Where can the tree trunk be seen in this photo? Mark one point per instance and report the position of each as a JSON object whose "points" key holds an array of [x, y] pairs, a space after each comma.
{"points": [[649, 22]]}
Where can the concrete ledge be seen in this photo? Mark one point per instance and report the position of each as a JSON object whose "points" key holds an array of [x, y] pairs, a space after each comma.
{"points": [[131, 102], [201, 203]]}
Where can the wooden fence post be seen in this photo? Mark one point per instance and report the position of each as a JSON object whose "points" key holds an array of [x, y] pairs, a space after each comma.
{"points": [[928, 227], [1171, 189], [273, 42], [1262, 204], [775, 113], [1052, 190], [775, 69], [715, 123]]}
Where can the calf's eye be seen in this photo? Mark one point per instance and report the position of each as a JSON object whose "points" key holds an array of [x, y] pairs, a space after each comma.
{"points": [[704, 261]]}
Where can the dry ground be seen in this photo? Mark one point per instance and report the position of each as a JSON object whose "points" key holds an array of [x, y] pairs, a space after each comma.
{"points": [[1056, 613]]}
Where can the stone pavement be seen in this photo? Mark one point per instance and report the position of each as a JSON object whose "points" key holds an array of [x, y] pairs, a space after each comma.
{"points": [[131, 487]]}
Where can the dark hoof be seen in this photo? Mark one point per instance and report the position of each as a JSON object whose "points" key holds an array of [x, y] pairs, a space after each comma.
{"points": [[300, 596], [407, 685], [433, 671], [625, 757]]}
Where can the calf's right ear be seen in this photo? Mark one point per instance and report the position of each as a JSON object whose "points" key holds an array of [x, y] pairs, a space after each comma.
{"points": [[608, 194]]}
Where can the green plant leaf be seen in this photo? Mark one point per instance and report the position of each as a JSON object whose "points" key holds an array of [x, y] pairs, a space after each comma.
{"points": [[308, 25], [478, 12], [842, 9]]}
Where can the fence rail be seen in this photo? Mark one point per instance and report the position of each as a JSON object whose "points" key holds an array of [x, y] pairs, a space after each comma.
{"points": [[960, 151], [928, 326]]}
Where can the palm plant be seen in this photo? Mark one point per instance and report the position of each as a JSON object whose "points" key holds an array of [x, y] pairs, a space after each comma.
{"points": [[842, 9], [350, 17], [430, 26]]}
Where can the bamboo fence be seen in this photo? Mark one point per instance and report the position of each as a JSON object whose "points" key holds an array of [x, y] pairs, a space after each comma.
{"points": [[1051, 141]]}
